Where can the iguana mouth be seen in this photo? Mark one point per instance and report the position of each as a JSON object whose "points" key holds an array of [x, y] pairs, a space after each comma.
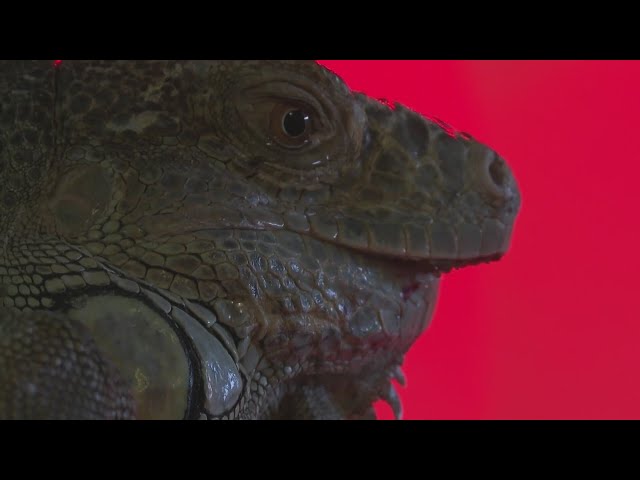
{"points": [[437, 267], [409, 264]]}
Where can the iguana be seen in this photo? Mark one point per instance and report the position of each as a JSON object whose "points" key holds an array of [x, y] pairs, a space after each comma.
{"points": [[224, 239]]}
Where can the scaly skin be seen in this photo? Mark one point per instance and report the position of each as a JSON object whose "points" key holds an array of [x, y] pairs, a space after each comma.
{"points": [[175, 245]]}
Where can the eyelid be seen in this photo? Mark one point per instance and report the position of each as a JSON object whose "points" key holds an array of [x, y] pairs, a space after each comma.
{"points": [[285, 92], [265, 104], [256, 102]]}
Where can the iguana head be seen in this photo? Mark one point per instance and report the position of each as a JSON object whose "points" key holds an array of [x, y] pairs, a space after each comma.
{"points": [[308, 223]]}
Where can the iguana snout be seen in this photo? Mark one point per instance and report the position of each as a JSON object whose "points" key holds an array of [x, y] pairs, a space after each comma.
{"points": [[422, 191]]}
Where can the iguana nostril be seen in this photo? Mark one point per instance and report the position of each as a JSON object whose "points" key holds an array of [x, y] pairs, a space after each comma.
{"points": [[498, 171], [489, 173]]}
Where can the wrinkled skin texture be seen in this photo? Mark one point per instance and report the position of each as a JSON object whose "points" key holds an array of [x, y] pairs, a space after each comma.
{"points": [[224, 239]]}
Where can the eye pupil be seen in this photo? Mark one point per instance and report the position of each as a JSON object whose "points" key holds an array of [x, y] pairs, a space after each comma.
{"points": [[295, 122]]}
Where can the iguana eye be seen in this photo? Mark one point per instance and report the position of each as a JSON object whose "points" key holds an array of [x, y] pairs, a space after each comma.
{"points": [[291, 126], [292, 129], [295, 122]]}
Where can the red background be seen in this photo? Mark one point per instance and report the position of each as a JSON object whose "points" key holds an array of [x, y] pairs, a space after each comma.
{"points": [[552, 331]]}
